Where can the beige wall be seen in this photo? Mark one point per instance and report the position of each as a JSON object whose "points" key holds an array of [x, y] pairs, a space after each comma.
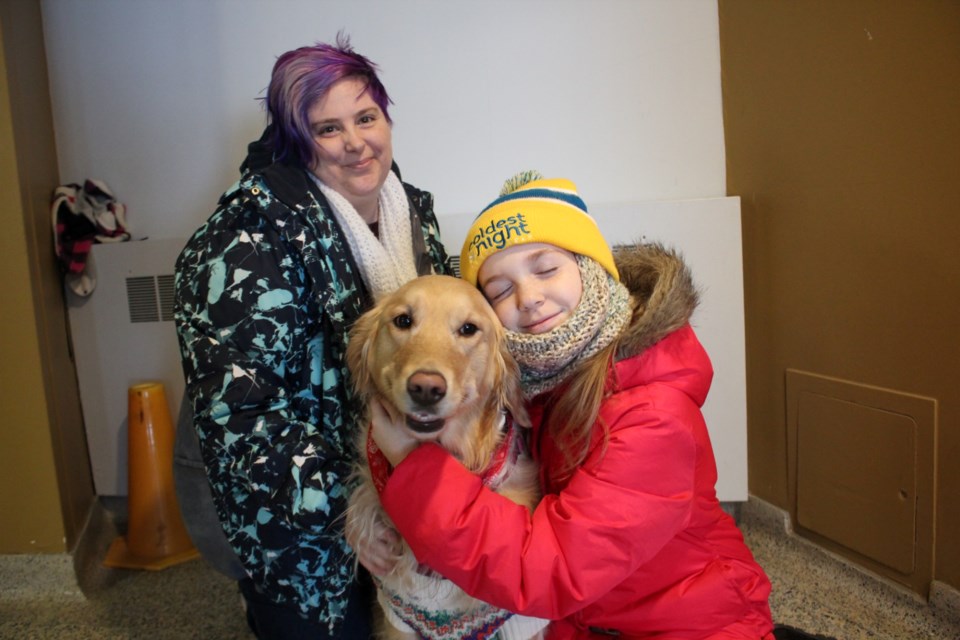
{"points": [[842, 124], [47, 489]]}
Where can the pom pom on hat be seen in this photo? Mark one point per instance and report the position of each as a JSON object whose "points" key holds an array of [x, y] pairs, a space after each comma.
{"points": [[519, 180], [534, 209]]}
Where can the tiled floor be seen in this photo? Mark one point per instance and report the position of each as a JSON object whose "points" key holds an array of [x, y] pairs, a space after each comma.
{"points": [[816, 592], [39, 597]]}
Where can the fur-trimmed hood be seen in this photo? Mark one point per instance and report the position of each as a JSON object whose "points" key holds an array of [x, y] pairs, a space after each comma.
{"points": [[663, 292]]}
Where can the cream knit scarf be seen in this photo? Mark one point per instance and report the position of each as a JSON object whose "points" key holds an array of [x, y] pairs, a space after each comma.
{"points": [[385, 262], [548, 359]]}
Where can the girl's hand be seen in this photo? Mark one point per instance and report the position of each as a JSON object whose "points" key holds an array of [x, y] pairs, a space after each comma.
{"points": [[380, 552], [391, 434]]}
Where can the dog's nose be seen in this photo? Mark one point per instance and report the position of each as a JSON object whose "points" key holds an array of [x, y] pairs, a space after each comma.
{"points": [[426, 388]]}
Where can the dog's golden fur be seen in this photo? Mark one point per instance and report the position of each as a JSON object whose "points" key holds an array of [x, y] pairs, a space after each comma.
{"points": [[434, 351]]}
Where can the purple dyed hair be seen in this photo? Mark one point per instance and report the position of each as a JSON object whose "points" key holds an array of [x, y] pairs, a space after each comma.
{"points": [[302, 77]]}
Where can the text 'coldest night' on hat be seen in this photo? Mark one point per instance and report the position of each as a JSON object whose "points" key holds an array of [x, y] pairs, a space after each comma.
{"points": [[534, 209]]}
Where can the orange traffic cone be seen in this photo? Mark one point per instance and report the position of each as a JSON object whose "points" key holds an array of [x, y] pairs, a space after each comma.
{"points": [[156, 536]]}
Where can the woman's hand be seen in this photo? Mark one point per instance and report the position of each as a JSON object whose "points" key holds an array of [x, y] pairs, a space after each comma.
{"points": [[380, 552], [391, 434]]}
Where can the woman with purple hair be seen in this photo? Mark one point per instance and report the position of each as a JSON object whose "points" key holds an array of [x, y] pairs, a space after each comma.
{"points": [[317, 228]]}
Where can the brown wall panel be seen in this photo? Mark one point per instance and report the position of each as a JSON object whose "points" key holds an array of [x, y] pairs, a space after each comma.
{"points": [[843, 142], [44, 444]]}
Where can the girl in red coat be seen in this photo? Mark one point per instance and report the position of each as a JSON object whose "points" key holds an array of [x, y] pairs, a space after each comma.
{"points": [[629, 540]]}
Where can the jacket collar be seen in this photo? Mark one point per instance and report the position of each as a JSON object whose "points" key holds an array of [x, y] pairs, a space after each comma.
{"points": [[663, 293]]}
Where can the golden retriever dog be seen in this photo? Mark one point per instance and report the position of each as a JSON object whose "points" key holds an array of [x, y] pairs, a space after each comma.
{"points": [[434, 352]]}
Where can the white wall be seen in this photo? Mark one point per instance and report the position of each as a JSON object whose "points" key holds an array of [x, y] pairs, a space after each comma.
{"points": [[157, 97]]}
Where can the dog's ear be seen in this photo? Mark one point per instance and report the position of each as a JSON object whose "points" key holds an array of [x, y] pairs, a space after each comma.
{"points": [[510, 391], [358, 350]]}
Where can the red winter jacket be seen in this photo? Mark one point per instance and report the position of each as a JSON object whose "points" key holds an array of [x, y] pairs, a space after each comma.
{"points": [[635, 541]]}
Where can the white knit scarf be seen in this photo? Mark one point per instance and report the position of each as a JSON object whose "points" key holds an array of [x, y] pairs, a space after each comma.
{"points": [[385, 262]]}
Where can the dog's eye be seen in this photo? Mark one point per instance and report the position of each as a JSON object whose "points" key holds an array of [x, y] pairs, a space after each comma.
{"points": [[468, 329], [402, 321]]}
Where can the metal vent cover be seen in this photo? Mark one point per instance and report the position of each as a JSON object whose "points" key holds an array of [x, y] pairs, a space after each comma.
{"points": [[150, 298]]}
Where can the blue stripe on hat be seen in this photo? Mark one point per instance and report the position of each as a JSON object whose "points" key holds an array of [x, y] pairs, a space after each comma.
{"points": [[548, 194]]}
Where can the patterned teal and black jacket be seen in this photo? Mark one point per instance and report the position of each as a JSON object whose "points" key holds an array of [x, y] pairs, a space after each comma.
{"points": [[266, 291]]}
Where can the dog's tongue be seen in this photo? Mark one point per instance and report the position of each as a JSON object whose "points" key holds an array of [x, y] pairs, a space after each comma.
{"points": [[424, 426]]}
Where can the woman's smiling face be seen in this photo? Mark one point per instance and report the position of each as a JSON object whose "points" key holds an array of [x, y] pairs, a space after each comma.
{"points": [[353, 144], [533, 288]]}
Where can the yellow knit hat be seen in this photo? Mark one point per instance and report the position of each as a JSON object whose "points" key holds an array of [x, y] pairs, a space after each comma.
{"points": [[533, 209]]}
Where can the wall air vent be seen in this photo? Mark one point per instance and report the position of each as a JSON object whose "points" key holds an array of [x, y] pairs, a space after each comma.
{"points": [[165, 295], [142, 299], [150, 298]]}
